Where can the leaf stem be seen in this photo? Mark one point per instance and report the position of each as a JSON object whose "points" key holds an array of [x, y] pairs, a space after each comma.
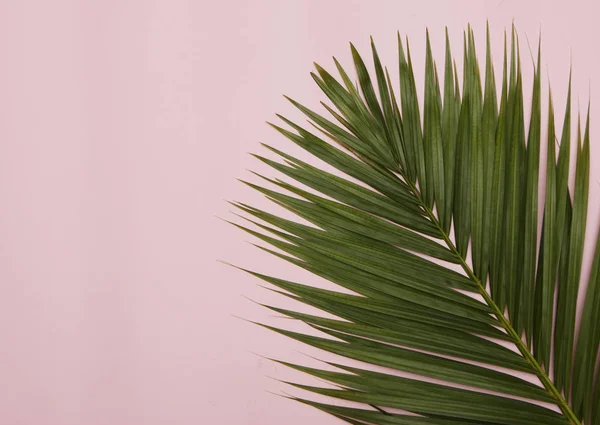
{"points": [[538, 370]]}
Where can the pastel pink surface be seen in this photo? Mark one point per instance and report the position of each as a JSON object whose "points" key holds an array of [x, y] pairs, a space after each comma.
{"points": [[123, 128]]}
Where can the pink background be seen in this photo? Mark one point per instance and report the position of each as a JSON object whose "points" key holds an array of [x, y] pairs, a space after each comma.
{"points": [[123, 127]]}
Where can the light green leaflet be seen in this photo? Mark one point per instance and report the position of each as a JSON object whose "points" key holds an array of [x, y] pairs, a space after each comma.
{"points": [[426, 180]]}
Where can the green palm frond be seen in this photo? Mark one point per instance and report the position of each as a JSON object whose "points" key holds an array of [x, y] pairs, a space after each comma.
{"points": [[419, 194]]}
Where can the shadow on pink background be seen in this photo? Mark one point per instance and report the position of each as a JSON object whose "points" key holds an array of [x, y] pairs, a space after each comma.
{"points": [[123, 128]]}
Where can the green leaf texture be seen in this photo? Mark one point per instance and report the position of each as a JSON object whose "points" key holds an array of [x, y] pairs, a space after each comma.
{"points": [[427, 215]]}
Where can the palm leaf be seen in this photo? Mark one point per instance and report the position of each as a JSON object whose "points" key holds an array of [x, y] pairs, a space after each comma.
{"points": [[381, 227]]}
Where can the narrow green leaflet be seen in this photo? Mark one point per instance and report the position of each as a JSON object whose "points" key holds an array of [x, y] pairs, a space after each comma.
{"points": [[432, 134], [489, 121], [450, 111], [547, 268], [496, 259], [477, 154], [513, 234], [413, 134], [569, 286], [555, 227], [530, 228], [462, 180], [392, 130]]}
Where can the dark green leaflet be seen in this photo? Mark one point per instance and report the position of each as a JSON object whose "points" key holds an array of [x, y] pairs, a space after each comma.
{"points": [[513, 232], [569, 285], [530, 227], [412, 133], [547, 267], [498, 197], [477, 155], [451, 107], [489, 122], [462, 181], [432, 133]]}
